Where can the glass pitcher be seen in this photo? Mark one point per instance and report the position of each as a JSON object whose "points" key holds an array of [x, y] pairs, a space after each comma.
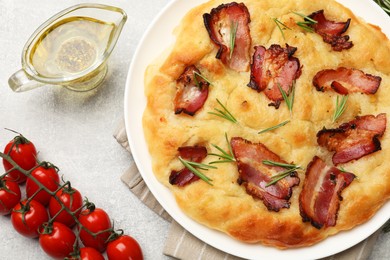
{"points": [[70, 49]]}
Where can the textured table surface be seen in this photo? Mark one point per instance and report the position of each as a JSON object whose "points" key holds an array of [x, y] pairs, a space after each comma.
{"points": [[74, 130]]}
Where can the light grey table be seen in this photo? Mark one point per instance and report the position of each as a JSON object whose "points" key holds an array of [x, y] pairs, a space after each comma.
{"points": [[74, 131]]}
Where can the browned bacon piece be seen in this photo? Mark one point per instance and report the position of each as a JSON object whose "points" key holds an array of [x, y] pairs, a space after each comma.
{"points": [[225, 23], [331, 32], [255, 175], [346, 80], [191, 93], [274, 68], [354, 139], [185, 176], [320, 197]]}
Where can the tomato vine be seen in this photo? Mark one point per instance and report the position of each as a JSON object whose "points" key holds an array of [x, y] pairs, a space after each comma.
{"points": [[95, 241]]}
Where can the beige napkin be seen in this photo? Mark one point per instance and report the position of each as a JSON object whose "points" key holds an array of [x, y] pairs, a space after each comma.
{"points": [[183, 245]]}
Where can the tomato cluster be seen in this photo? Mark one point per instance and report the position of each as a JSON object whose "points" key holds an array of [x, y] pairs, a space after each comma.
{"points": [[55, 212]]}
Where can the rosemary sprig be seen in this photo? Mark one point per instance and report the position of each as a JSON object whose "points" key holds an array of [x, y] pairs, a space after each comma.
{"points": [[224, 113], [289, 99], [307, 18], [289, 169], [193, 167], [340, 107], [279, 176], [274, 127], [233, 33], [305, 25], [384, 4], [196, 74], [227, 156], [279, 164], [281, 26]]}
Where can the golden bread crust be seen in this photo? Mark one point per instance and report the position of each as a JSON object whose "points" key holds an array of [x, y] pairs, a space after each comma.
{"points": [[226, 206]]}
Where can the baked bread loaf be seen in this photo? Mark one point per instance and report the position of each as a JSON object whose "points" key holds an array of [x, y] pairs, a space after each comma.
{"points": [[214, 67]]}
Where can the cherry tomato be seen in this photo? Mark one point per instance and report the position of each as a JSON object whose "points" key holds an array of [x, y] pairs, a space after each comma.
{"points": [[23, 152], [95, 220], [124, 248], [88, 253], [57, 240], [28, 217], [47, 175], [9, 196], [72, 199]]}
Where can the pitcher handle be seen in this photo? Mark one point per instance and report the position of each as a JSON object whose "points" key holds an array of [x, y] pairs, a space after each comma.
{"points": [[20, 81]]}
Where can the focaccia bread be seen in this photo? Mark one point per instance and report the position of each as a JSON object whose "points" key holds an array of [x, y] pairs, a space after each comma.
{"points": [[352, 149]]}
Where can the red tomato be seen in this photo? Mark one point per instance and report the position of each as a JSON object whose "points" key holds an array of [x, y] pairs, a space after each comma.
{"points": [[28, 217], [89, 253], [72, 199], [23, 152], [124, 248], [9, 196], [86, 253], [47, 175], [95, 220], [57, 240]]}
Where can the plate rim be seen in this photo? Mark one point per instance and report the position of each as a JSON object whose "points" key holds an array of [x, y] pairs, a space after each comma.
{"points": [[200, 231]]}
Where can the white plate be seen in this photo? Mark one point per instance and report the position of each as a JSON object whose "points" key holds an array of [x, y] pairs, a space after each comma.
{"points": [[156, 39]]}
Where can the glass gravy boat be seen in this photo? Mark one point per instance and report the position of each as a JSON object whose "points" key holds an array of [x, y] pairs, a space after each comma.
{"points": [[70, 49]]}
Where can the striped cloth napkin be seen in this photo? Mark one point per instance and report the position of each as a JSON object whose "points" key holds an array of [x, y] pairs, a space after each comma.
{"points": [[182, 244]]}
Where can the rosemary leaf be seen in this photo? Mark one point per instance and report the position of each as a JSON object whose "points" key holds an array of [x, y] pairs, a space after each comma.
{"points": [[283, 173], [284, 94], [289, 99], [281, 26], [229, 157], [201, 165], [196, 81], [227, 111], [384, 4], [220, 161], [196, 74], [229, 146], [279, 176], [225, 114], [304, 26], [223, 153], [233, 33], [279, 164], [289, 169], [307, 18], [274, 127], [292, 96], [340, 107], [191, 166]]}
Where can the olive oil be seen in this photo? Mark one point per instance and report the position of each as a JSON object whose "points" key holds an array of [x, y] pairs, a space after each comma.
{"points": [[71, 46], [70, 49]]}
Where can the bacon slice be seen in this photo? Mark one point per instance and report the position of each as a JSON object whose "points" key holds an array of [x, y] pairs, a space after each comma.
{"points": [[255, 175], [185, 176], [331, 32], [320, 197], [345, 81], [354, 139], [273, 68], [192, 91], [221, 24]]}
